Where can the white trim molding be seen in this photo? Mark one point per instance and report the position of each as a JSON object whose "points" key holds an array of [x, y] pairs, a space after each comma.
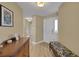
{"points": [[37, 42]]}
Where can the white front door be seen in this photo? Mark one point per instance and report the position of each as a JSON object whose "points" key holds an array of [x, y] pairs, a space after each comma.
{"points": [[49, 29]]}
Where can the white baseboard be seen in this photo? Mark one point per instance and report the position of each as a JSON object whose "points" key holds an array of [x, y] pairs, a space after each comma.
{"points": [[40, 42], [37, 42], [46, 41]]}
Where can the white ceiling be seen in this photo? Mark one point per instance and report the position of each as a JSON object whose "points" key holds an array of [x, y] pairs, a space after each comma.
{"points": [[30, 8]]}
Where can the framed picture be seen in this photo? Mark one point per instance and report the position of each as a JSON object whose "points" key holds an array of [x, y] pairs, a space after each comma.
{"points": [[6, 16]]}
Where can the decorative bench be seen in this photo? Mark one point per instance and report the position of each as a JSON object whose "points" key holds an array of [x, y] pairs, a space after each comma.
{"points": [[60, 51]]}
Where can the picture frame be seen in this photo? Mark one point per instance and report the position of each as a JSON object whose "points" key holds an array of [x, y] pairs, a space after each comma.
{"points": [[6, 17]]}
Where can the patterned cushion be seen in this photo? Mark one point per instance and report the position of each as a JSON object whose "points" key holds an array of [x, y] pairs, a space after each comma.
{"points": [[61, 50]]}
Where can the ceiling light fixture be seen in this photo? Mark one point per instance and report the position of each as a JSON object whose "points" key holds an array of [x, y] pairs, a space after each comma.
{"points": [[40, 4]]}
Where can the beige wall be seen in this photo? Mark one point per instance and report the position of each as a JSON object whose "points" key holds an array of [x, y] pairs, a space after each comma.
{"points": [[25, 26], [18, 21], [37, 28], [69, 26]]}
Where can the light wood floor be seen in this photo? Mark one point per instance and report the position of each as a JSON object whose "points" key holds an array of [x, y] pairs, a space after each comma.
{"points": [[40, 50]]}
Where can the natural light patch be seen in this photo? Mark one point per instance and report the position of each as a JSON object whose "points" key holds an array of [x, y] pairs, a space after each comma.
{"points": [[56, 26]]}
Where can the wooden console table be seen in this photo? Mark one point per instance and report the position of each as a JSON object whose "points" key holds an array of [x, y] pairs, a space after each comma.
{"points": [[18, 48]]}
